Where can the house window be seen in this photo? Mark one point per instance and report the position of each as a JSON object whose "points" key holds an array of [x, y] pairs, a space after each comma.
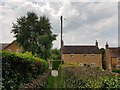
{"points": [[85, 64], [118, 66], [85, 55], [9, 50], [81, 64], [92, 55], [72, 55], [18, 50], [93, 65]]}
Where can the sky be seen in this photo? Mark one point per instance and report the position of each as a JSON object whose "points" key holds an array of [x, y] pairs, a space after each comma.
{"points": [[84, 21]]}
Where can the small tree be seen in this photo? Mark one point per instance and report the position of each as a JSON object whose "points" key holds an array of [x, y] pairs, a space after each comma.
{"points": [[55, 54], [102, 50], [34, 34]]}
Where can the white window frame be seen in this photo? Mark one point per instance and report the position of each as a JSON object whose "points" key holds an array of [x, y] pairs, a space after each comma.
{"points": [[81, 64], [72, 55], [93, 64], [9, 50], [17, 50], [118, 66]]}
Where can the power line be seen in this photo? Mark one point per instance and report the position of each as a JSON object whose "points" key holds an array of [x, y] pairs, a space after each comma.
{"points": [[88, 28]]}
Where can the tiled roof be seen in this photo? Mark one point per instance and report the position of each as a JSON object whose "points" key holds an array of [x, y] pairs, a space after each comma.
{"points": [[114, 52], [81, 50], [3, 45]]}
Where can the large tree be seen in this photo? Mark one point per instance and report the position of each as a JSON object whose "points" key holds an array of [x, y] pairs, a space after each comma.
{"points": [[34, 34]]}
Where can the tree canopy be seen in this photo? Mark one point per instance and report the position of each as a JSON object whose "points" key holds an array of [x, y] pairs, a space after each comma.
{"points": [[34, 34]]}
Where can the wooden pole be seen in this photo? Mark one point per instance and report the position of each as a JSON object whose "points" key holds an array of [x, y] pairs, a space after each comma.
{"points": [[61, 36]]}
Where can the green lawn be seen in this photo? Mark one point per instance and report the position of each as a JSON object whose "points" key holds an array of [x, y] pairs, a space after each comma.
{"points": [[51, 81]]}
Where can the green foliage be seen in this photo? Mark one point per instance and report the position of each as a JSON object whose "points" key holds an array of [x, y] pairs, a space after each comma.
{"points": [[116, 70], [86, 77], [40, 82], [18, 68], [34, 34], [102, 50], [56, 64], [55, 54], [51, 81]]}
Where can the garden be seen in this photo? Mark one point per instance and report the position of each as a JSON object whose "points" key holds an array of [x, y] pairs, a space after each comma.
{"points": [[88, 77]]}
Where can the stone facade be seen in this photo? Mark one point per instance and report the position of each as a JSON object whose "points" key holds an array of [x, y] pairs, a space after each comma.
{"points": [[83, 59], [112, 58], [82, 55], [13, 47]]}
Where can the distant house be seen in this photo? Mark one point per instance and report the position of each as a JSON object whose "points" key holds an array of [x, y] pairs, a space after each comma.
{"points": [[12, 47], [82, 55], [112, 57]]}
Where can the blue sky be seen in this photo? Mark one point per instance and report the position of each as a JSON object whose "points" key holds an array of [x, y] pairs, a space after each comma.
{"points": [[84, 21]]}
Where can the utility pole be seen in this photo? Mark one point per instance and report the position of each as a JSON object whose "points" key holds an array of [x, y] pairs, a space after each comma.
{"points": [[61, 36]]}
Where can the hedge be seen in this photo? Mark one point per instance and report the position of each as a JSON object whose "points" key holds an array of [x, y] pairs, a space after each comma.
{"points": [[40, 82], [116, 70], [19, 69], [56, 64]]}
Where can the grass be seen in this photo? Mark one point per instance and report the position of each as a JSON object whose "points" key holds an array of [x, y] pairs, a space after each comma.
{"points": [[51, 81]]}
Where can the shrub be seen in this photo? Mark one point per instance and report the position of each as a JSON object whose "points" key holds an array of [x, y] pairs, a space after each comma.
{"points": [[87, 77], [40, 82], [18, 68], [116, 70], [56, 64]]}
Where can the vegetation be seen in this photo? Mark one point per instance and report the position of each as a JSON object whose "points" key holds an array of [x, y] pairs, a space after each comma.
{"points": [[40, 82], [102, 50], [34, 34], [51, 81], [87, 77], [116, 70], [19, 69], [56, 64], [55, 54], [54, 80]]}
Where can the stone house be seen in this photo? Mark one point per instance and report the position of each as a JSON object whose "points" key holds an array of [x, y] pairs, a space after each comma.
{"points": [[82, 55], [112, 57], [12, 47]]}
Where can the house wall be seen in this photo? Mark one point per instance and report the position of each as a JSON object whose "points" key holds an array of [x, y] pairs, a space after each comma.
{"points": [[87, 59], [114, 63], [14, 47], [111, 63], [118, 64]]}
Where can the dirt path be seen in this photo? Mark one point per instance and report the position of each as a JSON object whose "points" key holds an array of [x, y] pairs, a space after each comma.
{"points": [[55, 84]]}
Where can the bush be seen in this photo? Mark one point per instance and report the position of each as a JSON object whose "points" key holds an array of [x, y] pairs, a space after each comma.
{"points": [[56, 64], [40, 82], [18, 68], [116, 70], [87, 77]]}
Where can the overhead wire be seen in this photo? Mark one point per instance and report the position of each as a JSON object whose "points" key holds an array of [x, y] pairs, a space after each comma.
{"points": [[87, 28]]}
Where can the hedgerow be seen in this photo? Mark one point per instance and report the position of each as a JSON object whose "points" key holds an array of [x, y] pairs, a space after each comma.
{"points": [[20, 68]]}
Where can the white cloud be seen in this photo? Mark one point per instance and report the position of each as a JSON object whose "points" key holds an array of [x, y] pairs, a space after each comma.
{"points": [[83, 25]]}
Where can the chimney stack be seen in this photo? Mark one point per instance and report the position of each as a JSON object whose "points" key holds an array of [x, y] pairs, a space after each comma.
{"points": [[106, 46], [96, 43]]}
